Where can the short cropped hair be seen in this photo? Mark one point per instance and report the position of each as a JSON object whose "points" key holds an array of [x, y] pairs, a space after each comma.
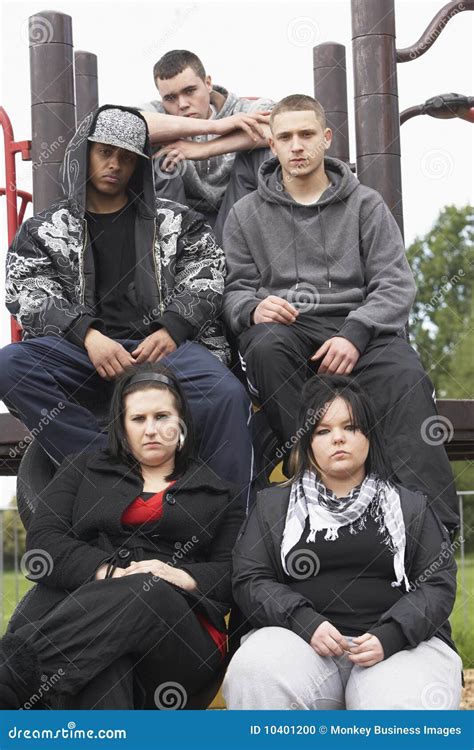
{"points": [[174, 62], [299, 103]]}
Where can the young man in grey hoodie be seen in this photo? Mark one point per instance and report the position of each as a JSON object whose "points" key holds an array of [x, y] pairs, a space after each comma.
{"points": [[318, 281], [212, 142]]}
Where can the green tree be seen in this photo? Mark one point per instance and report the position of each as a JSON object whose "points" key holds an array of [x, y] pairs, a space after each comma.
{"points": [[441, 324], [14, 536], [442, 321]]}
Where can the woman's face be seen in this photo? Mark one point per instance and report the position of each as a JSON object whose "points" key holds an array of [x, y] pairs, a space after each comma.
{"points": [[152, 426], [339, 450]]}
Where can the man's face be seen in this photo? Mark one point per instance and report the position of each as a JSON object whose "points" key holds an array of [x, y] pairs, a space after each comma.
{"points": [[186, 94], [110, 168], [300, 142]]}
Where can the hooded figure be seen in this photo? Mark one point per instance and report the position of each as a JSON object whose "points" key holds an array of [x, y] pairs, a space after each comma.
{"points": [[111, 276], [50, 284]]}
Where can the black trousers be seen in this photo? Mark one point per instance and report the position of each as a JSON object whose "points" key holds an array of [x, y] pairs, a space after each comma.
{"points": [[120, 643], [277, 364]]}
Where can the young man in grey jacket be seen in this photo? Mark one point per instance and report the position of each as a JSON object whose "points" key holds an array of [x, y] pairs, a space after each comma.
{"points": [[318, 281], [212, 141]]}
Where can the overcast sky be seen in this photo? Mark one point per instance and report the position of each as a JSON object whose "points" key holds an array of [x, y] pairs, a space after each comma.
{"points": [[259, 49]]}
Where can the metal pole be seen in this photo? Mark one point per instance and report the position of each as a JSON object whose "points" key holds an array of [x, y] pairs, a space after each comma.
{"points": [[463, 561], [53, 119], [87, 90], [330, 88], [376, 100], [433, 30]]}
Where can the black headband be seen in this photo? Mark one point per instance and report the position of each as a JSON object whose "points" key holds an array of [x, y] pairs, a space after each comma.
{"points": [[143, 377]]}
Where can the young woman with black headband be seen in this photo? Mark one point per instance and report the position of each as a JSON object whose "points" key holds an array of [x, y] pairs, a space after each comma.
{"points": [[346, 578], [135, 549]]}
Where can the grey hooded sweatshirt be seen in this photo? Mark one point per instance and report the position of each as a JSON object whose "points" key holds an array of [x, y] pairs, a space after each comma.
{"points": [[341, 256]]}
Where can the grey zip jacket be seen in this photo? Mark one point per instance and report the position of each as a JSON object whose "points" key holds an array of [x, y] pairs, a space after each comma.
{"points": [[180, 268], [342, 256]]}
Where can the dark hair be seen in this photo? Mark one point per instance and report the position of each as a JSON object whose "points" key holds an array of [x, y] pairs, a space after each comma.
{"points": [[317, 394], [175, 62], [299, 103], [118, 447]]}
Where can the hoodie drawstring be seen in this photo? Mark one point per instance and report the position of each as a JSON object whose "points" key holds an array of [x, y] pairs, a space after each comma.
{"points": [[295, 246], [323, 237]]}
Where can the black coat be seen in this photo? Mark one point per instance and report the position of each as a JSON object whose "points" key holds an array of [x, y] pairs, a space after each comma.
{"points": [[78, 527], [263, 596]]}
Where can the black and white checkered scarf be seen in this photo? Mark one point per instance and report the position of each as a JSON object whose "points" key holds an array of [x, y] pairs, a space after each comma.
{"points": [[310, 498]]}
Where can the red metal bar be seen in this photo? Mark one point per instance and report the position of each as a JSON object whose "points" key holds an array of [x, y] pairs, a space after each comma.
{"points": [[14, 216]]}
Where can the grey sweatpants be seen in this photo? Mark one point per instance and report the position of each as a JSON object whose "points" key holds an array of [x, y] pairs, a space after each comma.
{"points": [[275, 669]]}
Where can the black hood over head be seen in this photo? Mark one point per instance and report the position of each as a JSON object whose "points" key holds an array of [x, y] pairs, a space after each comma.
{"points": [[74, 169]]}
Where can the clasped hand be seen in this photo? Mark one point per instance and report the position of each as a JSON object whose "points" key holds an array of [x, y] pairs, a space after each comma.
{"points": [[110, 358], [154, 567], [328, 641]]}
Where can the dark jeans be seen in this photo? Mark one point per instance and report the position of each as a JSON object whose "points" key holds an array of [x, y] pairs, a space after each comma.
{"points": [[52, 386], [117, 643], [243, 180], [389, 370]]}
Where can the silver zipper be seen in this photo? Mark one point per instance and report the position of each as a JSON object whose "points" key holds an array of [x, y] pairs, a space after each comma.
{"points": [[157, 269], [82, 280]]}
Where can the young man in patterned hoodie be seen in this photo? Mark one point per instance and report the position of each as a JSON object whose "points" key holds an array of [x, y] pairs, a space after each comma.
{"points": [[213, 141], [109, 277]]}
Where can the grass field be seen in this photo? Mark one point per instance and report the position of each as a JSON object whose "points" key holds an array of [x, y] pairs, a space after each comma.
{"points": [[462, 619], [9, 594]]}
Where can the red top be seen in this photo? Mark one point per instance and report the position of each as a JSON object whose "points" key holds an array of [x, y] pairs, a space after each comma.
{"points": [[144, 511]]}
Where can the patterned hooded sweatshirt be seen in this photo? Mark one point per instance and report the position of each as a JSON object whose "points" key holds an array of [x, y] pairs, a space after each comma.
{"points": [[179, 274]]}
